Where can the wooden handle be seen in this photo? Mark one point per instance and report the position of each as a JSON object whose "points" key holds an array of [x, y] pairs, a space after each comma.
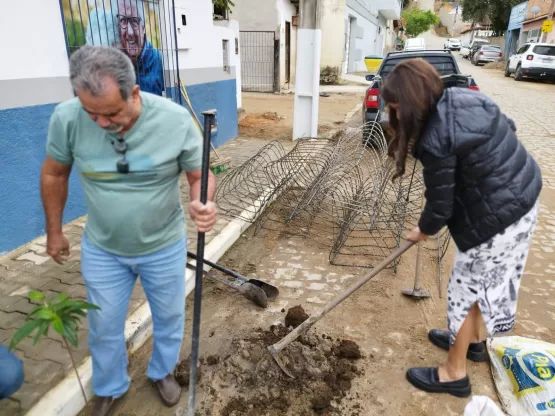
{"points": [[293, 335]]}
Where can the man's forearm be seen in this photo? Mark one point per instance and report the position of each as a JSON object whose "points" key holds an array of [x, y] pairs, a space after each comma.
{"points": [[195, 188], [54, 191]]}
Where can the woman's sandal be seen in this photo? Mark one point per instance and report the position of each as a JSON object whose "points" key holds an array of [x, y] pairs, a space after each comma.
{"points": [[427, 379]]}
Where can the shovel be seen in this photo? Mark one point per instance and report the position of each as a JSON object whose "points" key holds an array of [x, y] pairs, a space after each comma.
{"points": [[271, 292], [253, 293], [306, 325]]}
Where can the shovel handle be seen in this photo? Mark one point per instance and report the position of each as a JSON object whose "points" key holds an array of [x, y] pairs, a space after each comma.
{"points": [[293, 335], [220, 268]]}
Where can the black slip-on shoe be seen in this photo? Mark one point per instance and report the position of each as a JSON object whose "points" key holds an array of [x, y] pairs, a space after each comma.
{"points": [[477, 352], [427, 379]]}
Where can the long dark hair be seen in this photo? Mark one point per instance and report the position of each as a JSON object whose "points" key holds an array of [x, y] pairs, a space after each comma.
{"points": [[415, 87]]}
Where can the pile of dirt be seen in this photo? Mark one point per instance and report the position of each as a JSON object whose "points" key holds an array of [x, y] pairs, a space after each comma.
{"points": [[247, 382], [500, 66], [263, 125]]}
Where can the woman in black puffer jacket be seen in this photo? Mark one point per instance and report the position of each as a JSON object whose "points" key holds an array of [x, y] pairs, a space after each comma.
{"points": [[484, 186]]}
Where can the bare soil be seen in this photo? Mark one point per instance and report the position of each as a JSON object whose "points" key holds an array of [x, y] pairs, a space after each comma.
{"points": [[261, 123]]}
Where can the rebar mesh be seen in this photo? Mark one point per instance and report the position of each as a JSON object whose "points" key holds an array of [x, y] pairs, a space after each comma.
{"points": [[338, 192]]}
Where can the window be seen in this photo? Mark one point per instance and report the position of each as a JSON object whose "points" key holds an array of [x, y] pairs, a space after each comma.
{"points": [[445, 65], [523, 49], [545, 50], [225, 49], [491, 48], [220, 12]]}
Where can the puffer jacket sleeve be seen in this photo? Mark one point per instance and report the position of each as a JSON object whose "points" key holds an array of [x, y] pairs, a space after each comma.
{"points": [[439, 179]]}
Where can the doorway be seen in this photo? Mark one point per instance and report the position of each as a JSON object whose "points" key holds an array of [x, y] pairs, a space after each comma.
{"points": [[288, 52]]}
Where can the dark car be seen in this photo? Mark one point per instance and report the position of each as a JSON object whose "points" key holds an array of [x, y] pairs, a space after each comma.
{"points": [[443, 61]]}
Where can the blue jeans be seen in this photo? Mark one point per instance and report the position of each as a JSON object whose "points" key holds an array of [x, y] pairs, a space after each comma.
{"points": [[11, 373], [110, 279]]}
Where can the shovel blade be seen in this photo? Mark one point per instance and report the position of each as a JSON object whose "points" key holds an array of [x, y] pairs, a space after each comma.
{"points": [[417, 293], [277, 359], [271, 292], [254, 294]]}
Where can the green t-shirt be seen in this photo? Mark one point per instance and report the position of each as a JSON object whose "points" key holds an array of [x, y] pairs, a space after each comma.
{"points": [[140, 212]]}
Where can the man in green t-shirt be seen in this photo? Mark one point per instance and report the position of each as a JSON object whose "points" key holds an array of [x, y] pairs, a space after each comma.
{"points": [[129, 148]]}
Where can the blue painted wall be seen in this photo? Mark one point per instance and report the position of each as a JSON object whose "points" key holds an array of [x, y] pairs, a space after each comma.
{"points": [[219, 95], [23, 134]]}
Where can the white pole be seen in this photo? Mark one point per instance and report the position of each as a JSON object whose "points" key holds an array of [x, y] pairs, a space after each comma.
{"points": [[307, 81]]}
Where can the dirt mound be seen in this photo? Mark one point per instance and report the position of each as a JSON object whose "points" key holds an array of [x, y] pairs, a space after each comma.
{"points": [[263, 125], [295, 316], [500, 66], [248, 382]]}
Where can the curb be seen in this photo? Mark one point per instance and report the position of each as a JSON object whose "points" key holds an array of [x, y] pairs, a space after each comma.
{"points": [[66, 399]]}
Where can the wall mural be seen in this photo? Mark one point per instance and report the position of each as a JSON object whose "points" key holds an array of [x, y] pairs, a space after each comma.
{"points": [[134, 26]]}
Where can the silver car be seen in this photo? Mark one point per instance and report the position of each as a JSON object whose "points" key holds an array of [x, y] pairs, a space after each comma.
{"points": [[487, 54]]}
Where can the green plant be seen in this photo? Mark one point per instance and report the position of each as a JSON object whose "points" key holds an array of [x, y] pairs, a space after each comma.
{"points": [[60, 312], [224, 4], [419, 21], [329, 75]]}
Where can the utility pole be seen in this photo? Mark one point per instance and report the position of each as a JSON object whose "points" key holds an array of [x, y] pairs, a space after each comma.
{"points": [[549, 17], [307, 82]]}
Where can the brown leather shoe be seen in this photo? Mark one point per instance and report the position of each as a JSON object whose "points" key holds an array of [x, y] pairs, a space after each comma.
{"points": [[103, 406], [170, 390]]}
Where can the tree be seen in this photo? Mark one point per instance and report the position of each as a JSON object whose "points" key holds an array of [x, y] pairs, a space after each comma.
{"points": [[497, 12], [419, 21], [60, 312]]}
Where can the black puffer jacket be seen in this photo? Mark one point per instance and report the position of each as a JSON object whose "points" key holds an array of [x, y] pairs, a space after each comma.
{"points": [[479, 178]]}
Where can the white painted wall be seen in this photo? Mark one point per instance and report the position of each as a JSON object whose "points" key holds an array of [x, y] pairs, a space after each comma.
{"points": [[32, 38], [258, 14], [371, 42], [334, 35], [286, 12]]}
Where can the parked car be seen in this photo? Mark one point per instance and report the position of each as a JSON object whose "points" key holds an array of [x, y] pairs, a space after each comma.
{"points": [[466, 49], [416, 44], [487, 54], [452, 44], [533, 60], [445, 63]]}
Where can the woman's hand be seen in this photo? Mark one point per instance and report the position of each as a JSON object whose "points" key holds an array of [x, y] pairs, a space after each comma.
{"points": [[416, 236]]}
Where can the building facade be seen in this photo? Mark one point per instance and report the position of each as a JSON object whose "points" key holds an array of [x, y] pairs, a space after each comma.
{"points": [[269, 43], [34, 79], [354, 29], [536, 13], [513, 39]]}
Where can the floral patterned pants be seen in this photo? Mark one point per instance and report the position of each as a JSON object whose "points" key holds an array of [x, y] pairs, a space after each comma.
{"points": [[490, 275]]}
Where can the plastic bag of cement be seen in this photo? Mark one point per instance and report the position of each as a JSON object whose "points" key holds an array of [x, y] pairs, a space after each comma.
{"points": [[482, 406], [524, 375]]}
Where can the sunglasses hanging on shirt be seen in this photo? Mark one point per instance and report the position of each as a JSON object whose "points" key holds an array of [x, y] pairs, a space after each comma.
{"points": [[120, 146]]}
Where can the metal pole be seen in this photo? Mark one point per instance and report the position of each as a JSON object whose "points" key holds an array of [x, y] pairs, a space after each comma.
{"points": [[549, 17], [208, 121]]}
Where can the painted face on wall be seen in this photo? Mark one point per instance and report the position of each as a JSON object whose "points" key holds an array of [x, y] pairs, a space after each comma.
{"points": [[131, 26]]}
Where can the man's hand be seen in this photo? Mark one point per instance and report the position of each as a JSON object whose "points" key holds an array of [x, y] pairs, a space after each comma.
{"points": [[204, 216], [57, 247], [416, 236]]}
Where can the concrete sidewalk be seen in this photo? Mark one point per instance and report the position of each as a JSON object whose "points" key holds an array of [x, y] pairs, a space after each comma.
{"points": [[48, 372]]}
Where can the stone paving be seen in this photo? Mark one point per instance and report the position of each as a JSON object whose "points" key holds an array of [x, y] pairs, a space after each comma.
{"points": [[29, 268]]}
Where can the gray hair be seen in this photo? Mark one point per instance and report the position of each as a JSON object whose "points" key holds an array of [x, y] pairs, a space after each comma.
{"points": [[139, 5], [91, 65]]}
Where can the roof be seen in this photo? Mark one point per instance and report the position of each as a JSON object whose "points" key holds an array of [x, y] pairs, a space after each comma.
{"points": [[438, 52]]}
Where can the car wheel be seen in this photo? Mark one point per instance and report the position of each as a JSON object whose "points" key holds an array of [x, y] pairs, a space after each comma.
{"points": [[507, 71], [475, 62], [518, 74]]}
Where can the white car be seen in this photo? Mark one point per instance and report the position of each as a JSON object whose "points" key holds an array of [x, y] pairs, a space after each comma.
{"points": [[533, 60], [452, 44], [416, 44]]}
